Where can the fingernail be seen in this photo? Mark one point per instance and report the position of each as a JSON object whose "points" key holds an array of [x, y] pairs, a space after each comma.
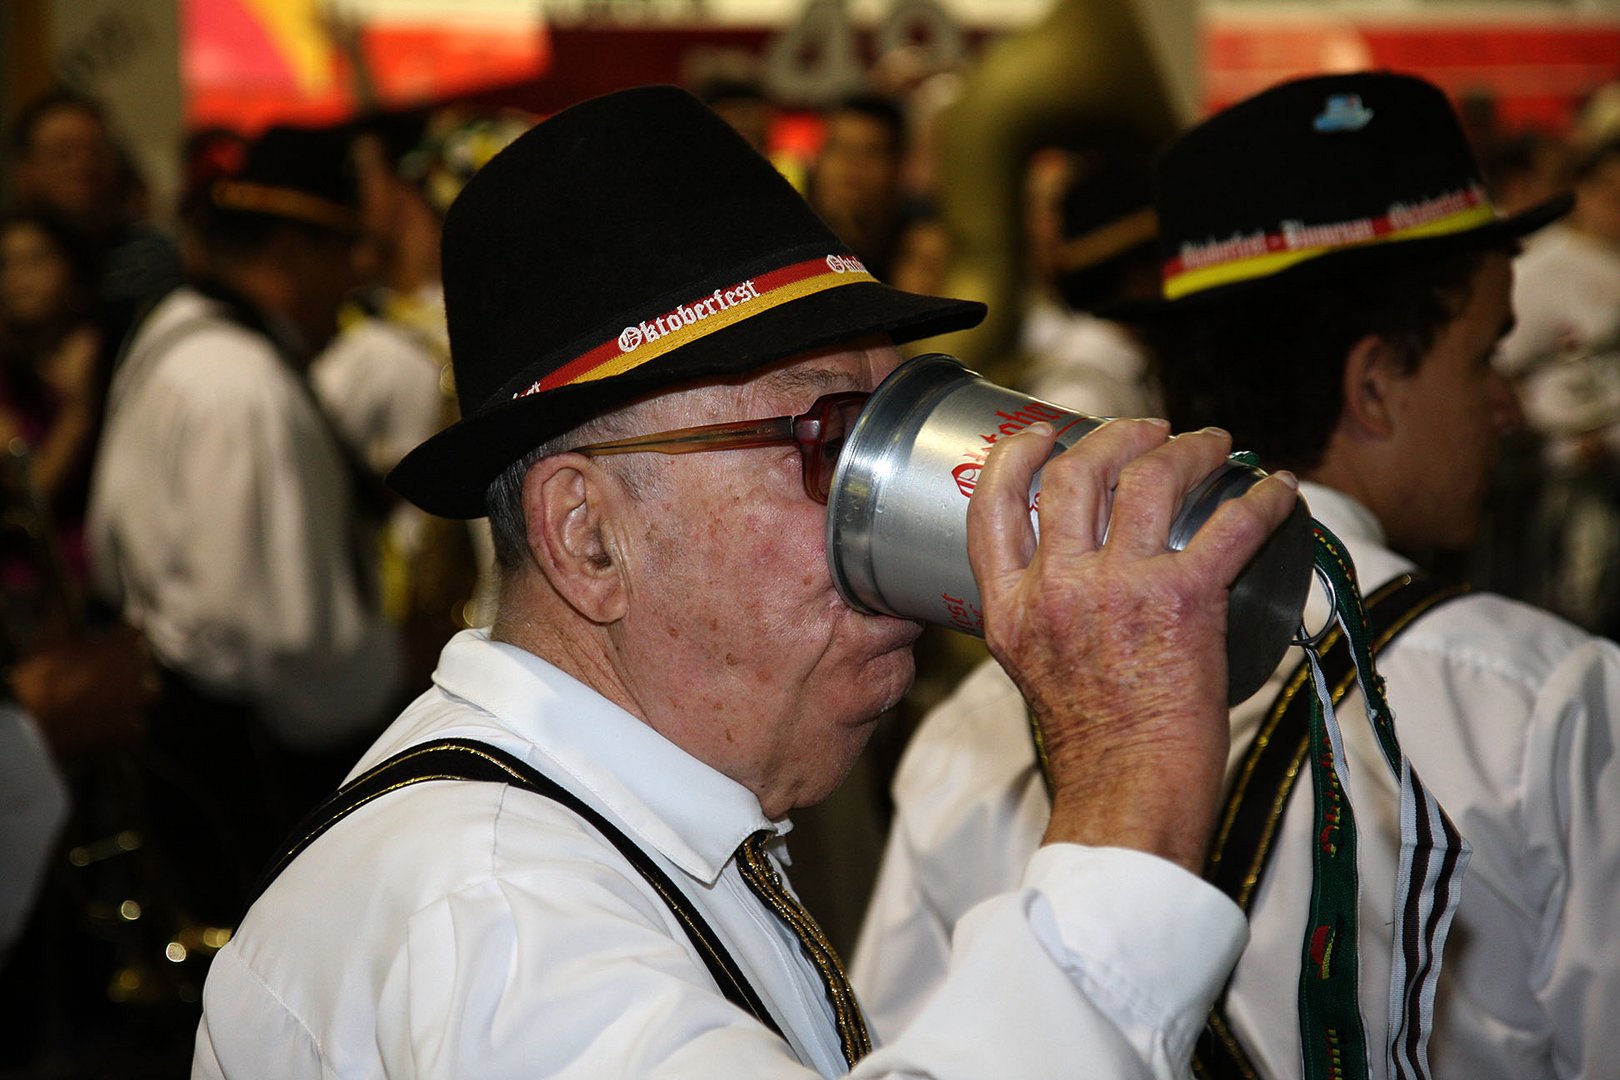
{"points": [[1039, 427], [1288, 478], [1157, 421], [1217, 431]]}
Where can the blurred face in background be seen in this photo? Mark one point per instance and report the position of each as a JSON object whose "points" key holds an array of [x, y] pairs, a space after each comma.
{"points": [[318, 269], [69, 166], [858, 171], [1049, 173], [35, 275], [750, 117], [922, 257]]}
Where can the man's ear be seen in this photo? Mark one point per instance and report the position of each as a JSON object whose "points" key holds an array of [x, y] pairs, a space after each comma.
{"points": [[1374, 382], [570, 510]]}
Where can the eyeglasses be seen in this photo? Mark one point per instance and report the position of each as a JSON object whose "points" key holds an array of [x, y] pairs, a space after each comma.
{"points": [[819, 433]]}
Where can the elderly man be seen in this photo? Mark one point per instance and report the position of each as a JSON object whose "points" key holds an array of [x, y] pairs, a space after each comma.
{"points": [[672, 671], [1336, 284]]}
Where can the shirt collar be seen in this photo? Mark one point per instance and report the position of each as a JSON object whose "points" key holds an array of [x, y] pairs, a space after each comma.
{"points": [[1363, 536], [668, 800], [1341, 513]]}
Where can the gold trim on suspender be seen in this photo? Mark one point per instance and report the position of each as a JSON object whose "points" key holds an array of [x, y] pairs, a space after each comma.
{"points": [[762, 878]]}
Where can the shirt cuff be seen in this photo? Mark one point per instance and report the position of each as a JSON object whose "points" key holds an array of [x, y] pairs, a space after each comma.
{"points": [[1158, 940]]}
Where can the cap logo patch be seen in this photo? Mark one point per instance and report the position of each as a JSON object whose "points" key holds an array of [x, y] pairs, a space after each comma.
{"points": [[1343, 112]]}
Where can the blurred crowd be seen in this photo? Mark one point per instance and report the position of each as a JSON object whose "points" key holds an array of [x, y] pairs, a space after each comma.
{"points": [[210, 594], [212, 598]]}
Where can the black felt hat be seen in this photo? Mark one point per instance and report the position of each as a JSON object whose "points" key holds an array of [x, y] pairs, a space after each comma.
{"points": [[298, 174], [1107, 210], [1318, 173], [626, 245]]}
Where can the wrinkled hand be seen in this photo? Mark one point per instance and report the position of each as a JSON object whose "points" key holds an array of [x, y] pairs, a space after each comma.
{"points": [[1119, 646]]}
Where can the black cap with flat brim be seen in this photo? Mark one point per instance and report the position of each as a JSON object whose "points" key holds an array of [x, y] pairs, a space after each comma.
{"points": [[1318, 175], [627, 245]]}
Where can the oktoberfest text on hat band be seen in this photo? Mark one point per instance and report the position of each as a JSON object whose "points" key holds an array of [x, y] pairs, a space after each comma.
{"points": [[719, 308], [1244, 257]]}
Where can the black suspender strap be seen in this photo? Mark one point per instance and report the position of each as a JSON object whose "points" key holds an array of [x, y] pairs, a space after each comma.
{"points": [[465, 759], [1243, 845]]}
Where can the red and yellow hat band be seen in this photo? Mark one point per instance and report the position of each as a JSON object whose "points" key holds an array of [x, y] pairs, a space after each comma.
{"points": [[649, 339], [1248, 256]]}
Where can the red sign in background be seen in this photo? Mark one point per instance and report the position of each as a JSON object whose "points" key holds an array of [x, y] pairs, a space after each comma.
{"points": [[1537, 74], [242, 70], [240, 74]]}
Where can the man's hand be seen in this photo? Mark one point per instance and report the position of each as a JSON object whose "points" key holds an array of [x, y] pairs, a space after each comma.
{"points": [[1119, 645]]}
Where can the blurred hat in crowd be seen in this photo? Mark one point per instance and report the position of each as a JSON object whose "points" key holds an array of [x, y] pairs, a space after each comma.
{"points": [[455, 144], [1315, 174], [299, 174], [626, 245], [1107, 210]]}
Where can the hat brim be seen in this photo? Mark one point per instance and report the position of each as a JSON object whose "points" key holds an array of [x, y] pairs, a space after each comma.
{"points": [[1503, 229], [449, 474]]}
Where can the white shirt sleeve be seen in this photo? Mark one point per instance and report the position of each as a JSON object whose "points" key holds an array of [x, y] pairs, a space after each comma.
{"points": [[1104, 964], [381, 388], [1573, 858], [33, 805]]}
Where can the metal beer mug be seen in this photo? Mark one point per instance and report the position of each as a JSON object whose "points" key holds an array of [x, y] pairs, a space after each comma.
{"points": [[897, 512]]}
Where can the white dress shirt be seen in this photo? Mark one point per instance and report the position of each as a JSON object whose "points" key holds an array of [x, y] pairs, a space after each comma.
{"points": [[221, 522], [1510, 716], [1566, 295], [1086, 364], [380, 385], [460, 929], [1565, 343]]}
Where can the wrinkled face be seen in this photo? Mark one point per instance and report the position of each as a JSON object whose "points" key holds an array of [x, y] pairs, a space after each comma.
{"points": [[69, 165], [35, 276], [737, 645], [1453, 414]]}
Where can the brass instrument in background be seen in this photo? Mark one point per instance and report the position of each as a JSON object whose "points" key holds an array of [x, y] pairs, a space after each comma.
{"points": [[1093, 72]]}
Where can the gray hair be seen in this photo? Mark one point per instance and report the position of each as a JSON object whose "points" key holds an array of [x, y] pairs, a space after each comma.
{"points": [[503, 500]]}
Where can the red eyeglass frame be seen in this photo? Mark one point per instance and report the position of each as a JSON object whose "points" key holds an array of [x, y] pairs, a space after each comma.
{"points": [[809, 431]]}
